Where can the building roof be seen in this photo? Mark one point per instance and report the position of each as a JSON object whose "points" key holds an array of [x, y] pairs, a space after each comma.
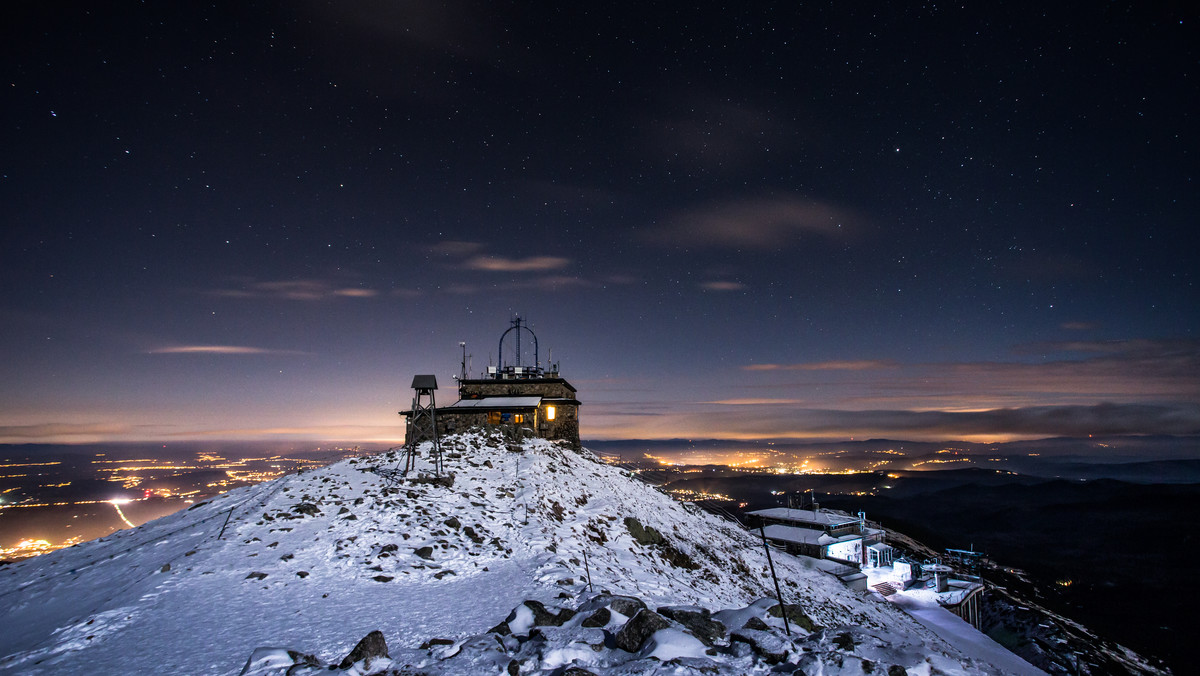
{"points": [[820, 518], [424, 382], [528, 380], [804, 536], [493, 403]]}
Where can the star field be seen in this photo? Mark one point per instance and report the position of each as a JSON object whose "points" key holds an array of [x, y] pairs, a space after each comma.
{"points": [[919, 220]]}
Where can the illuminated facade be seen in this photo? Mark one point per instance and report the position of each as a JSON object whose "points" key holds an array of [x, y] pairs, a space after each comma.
{"points": [[825, 534], [514, 397]]}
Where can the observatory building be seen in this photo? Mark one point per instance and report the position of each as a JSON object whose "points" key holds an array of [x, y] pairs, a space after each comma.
{"points": [[514, 395]]}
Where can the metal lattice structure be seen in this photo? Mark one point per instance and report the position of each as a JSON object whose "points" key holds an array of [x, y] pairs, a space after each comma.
{"points": [[422, 424]]}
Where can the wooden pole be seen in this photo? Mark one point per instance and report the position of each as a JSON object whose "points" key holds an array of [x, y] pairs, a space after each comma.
{"points": [[778, 593]]}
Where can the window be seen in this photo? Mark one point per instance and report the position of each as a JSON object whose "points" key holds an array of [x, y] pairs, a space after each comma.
{"points": [[550, 413], [518, 418]]}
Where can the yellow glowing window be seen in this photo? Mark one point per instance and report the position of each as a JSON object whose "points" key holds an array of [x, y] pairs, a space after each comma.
{"points": [[550, 412]]}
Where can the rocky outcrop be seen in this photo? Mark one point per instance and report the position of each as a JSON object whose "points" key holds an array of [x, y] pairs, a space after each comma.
{"points": [[619, 634], [369, 649]]}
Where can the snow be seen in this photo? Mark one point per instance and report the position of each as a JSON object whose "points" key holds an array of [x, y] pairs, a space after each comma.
{"points": [[317, 560], [667, 644]]}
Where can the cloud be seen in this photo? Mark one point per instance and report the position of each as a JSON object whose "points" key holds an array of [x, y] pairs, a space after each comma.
{"points": [[723, 286], [1060, 374], [1079, 326], [333, 432], [854, 365], [294, 289], [754, 224], [782, 421], [63, 431], [754, 402], [219, 349], [531, 264], [1034, 421]]}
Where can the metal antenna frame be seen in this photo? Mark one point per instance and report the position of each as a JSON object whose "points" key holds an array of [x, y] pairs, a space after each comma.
{"points": [[518, 326], [422, 425]]}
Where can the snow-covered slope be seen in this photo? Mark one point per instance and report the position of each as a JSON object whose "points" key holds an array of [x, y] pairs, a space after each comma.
{"points": [[316, 561]]}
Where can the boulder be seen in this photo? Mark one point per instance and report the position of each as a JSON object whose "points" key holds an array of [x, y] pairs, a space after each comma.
{"points": [[372, 646], [639, 628], [600, 618], [626, 605], [543, 617], [773, 649], [696, 620]]}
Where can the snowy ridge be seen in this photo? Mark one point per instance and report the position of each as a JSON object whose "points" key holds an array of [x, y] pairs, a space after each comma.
{"points": [[487, 574]]}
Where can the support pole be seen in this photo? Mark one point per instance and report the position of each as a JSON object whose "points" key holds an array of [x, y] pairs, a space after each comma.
{"points": [[778, 593]]}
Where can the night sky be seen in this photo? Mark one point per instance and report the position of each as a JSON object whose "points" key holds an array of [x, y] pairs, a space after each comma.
{"points": [[911, 220]]}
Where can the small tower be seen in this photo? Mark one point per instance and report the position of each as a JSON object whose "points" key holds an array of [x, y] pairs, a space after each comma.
{"points": [[422, 424]]}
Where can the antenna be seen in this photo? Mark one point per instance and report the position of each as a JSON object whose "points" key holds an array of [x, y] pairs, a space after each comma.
{"points": [[463, 373]]}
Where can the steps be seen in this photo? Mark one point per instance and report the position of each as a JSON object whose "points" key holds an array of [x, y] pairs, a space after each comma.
{"points": [[885, 589]]}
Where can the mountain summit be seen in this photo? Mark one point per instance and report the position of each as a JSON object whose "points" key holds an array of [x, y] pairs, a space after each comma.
{"points": [[526, 558]]}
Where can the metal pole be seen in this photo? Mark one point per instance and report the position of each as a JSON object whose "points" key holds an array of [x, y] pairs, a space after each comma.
{"points": [[227, 516], [778, 594], [588, 569]]}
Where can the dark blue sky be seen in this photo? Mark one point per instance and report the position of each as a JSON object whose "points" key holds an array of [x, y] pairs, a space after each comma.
{"points": [[916, 221]]}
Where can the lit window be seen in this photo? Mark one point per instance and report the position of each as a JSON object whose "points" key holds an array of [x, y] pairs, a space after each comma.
{"points": [[550, 413]]}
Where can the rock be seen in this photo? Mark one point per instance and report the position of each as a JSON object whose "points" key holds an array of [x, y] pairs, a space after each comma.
{"points": [[425, 553], [453, 522], [256, 575], [344, 510], [756, 624], [435, 641], [442, 574], [542, 617], [306, 508], [165, 569], [635, 632], [600, 618], [772, 648], [897, 670], [475, 537], [844, 641], [371, 646], [644, 535], [796, 617], [697, 620], [501, 629], [626, 605], [382, 578], [302, 574]]}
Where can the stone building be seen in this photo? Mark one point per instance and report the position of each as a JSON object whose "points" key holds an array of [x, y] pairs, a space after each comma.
{"points": [[514, 397]]}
